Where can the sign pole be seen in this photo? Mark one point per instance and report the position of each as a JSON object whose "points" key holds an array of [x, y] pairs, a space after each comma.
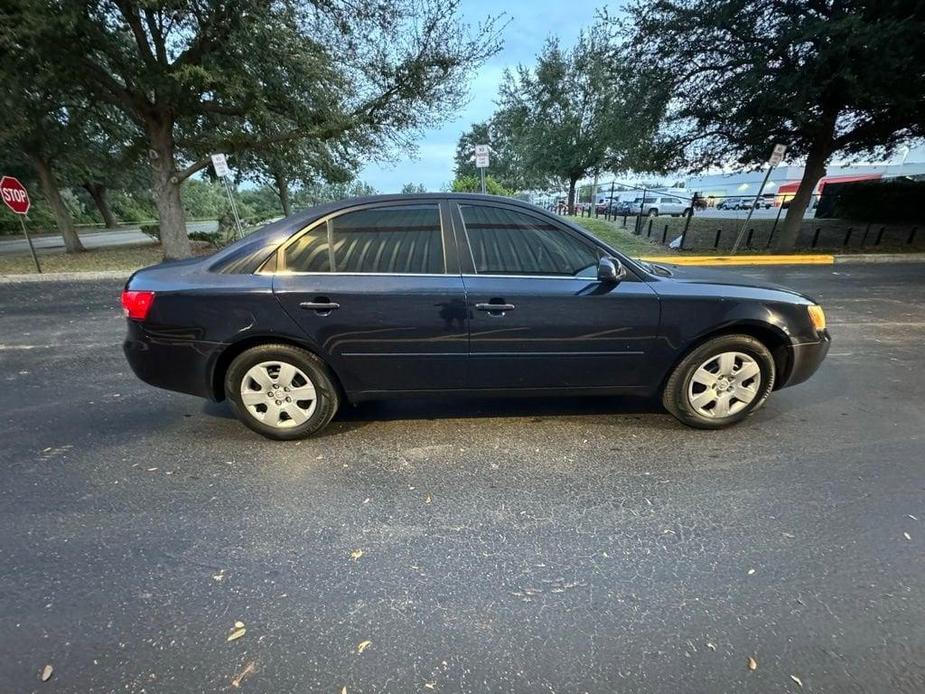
{"points": [[35, 257], [220, 165], [775, 159], [234, 210], [482, 176]]}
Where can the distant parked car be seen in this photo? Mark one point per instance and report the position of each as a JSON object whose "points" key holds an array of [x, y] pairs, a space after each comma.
{"points": [[667, 205], [729, 204]]}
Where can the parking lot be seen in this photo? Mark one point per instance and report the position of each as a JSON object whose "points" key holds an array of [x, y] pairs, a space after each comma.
{"points": [[557, 545]]}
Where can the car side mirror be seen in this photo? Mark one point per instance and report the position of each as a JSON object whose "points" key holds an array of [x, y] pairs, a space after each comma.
{"points": [[610, 270]]}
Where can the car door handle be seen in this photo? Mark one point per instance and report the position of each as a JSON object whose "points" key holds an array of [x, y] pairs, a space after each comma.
{"points": [[319, 305], [495, 307]]}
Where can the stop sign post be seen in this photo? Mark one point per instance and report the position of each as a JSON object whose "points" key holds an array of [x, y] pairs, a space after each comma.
{"points": [[16, 197]]}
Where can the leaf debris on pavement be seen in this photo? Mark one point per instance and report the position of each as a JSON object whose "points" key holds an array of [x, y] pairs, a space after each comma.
{"points": [[248, 670], [797, 680], [237, 631], [752, 663], [362, 646], [356, 554], [47, 672]]}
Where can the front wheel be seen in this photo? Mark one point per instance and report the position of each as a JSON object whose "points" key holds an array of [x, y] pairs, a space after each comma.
{"points": [[721, 382], [281, 391]]}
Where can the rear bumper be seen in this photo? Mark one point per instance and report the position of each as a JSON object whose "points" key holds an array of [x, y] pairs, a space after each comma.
{"points": [[805, 359], [170, 361]]}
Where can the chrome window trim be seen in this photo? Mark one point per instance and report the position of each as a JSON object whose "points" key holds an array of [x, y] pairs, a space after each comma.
{"points": [[534, 277], [284, 273]]}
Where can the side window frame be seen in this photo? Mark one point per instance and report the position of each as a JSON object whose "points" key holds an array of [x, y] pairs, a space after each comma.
{"points": [[277, 261], [467, 258]]}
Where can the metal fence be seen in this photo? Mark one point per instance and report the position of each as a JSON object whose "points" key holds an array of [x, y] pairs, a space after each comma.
{"points": [[720, 234]]}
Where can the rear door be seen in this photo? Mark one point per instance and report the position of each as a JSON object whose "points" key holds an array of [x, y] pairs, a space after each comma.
{"points": [[377, 291], [538, 316]]}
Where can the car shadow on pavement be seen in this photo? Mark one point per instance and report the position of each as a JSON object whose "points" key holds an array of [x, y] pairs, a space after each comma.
{"points": [[466, 408], [351, 417]]}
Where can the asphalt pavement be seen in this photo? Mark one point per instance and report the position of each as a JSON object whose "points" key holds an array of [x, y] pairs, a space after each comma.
{"points": [[556, 545], [92, 238]]}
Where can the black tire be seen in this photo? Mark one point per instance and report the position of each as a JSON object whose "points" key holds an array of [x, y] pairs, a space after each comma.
{"points": [[653, 213], [675, 395], [327, 398]]}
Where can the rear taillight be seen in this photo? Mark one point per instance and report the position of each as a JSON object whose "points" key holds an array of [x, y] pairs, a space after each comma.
{"points": [[137, 304]]}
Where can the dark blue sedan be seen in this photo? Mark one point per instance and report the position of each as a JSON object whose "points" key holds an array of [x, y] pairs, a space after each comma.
{"points": [[454, 294]]}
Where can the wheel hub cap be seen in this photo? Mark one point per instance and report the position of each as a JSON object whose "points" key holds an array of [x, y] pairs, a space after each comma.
{"points": [[724, 385], [278, 394]]}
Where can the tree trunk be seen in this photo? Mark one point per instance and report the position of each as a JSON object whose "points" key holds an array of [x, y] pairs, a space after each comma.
{"points": [[98, 193], [170, 215], [571, 195], [282, 189], [52, 196], [789, 233]]}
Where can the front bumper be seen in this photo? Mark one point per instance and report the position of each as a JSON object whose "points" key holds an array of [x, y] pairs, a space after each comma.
{"points": [[171, 361], [805, 359]]}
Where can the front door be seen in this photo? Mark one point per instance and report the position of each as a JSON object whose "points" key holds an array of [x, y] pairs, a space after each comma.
{"points": [[539, 318], [378, 295]]}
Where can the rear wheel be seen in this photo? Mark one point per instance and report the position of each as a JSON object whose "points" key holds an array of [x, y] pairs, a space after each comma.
{"points": [[721, 382], [281, 391]]}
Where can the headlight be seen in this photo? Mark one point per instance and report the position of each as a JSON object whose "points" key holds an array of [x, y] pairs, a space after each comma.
{"points": [[817, 316]]}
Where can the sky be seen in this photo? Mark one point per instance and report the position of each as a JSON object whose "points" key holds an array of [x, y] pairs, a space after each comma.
{"points": [[531, 22]]}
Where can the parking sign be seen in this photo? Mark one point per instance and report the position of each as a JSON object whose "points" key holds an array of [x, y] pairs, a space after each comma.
{"points": [[220, 165], [481, 156], [777, 155]]}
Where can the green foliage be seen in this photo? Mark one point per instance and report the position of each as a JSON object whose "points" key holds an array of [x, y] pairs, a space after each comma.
{"points": [[472, 184], [505, 165], [576, 112], [411, 188], [822, 78], [203, 199], [132, 207], [305, 88], [881, 201]]}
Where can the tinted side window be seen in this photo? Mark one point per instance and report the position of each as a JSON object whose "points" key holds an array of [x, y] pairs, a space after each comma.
{"points": [[310, 252], [506, 242], [401, 239]]}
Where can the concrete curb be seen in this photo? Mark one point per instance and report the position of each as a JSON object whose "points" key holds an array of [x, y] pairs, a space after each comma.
{"points": [[742, 259], [65, 276], [795, 259], [880, 258]]}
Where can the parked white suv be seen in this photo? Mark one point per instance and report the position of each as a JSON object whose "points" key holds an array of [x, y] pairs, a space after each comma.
{"points": [[664, 204]]}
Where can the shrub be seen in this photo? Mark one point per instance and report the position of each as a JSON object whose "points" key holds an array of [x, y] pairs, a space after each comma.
{"points": [[887, 202]]}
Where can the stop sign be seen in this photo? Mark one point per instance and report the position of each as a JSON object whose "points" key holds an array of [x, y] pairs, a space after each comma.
{"points": [[14, 194]]}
